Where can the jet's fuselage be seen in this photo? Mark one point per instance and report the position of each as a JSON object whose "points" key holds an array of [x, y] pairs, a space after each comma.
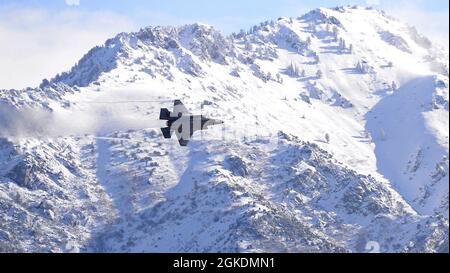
{"points": [[194, 122]]}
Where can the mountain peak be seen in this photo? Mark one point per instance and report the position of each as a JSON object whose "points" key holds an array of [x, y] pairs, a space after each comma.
{"points": [[184, 44]]}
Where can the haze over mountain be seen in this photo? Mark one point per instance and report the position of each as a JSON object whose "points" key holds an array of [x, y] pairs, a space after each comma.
{"points": [[335, 137]]}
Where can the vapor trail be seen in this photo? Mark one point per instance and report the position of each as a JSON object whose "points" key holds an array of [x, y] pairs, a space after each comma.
{"points": [[40, 123], [119, 102]]}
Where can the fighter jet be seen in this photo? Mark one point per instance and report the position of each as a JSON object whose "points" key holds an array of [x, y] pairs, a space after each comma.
{"points": [[183, 123]]}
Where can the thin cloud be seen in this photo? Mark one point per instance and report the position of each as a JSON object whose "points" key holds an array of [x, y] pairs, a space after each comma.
{"points": [[432, 23], [37, 44]]}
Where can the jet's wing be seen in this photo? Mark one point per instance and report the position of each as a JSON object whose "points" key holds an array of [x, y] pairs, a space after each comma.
{"points": [[181, 140], [178, 107]]}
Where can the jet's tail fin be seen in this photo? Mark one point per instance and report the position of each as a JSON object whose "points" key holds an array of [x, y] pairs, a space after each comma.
{"points": [[164, 114], [167, 133]]}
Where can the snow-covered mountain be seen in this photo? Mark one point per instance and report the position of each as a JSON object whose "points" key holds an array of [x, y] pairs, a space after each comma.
{"points": [[335, 139]]}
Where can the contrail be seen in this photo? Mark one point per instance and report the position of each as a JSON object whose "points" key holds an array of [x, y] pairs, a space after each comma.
{"points": [[65, 122], [119, 102]]}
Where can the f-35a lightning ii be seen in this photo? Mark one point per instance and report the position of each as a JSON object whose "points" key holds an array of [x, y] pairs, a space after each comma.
{"points": [[183, 123]]}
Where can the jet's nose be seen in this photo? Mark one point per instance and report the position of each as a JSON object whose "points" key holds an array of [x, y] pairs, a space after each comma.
{"points": [[212, 121], [218, 121]]}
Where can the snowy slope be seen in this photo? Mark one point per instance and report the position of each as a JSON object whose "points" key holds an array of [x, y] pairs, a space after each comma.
{"points": [[268, 179]]}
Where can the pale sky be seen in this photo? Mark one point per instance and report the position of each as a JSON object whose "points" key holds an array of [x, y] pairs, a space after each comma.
{"points": [[39, 38]]}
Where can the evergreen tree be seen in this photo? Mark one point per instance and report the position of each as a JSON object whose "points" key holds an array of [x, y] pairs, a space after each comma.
{"points": [[308, 41], [335, 33], [394, 86], [316, 58], [302, 74], [279, 78], [291, 70], [319, 74]]}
